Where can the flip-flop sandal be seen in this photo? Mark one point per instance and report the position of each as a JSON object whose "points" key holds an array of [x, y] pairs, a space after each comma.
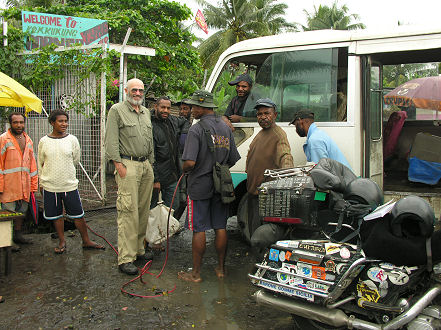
{"points": [[94, 247], [60, 250]]}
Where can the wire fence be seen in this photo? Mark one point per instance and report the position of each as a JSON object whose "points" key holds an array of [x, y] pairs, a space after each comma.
{"points": [[81, 98]]}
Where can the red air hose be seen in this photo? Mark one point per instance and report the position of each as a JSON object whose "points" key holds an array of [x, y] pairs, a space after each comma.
{"points": [[145, 269]]}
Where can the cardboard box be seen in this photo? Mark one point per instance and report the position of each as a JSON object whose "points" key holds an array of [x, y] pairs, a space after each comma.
{"points": [[426, 147]]}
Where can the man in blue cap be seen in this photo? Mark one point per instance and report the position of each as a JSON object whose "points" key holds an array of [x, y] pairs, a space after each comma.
{"points": [[269, 150]]}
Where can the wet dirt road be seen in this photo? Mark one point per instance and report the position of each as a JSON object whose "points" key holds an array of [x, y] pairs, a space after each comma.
{"points": [[81, 288]]}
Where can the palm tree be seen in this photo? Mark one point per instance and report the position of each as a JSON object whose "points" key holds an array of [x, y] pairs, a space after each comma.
{"points": [[334, 17], [269, 17], [238, 20]]}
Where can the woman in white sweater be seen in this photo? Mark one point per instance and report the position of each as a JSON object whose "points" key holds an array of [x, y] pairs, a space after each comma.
{"points": [[58, 153]]}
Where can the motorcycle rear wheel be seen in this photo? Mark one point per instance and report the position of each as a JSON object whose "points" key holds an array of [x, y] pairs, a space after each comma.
{"points": [[302, 323]]}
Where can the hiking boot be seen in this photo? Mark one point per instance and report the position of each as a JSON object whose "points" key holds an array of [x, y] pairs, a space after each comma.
{"points": [[15, 248], [18, 238], [148, 255], [129, 268]]}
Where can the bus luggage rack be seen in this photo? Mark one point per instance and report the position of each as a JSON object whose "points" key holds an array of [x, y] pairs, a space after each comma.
{"points": [[287, 172]]}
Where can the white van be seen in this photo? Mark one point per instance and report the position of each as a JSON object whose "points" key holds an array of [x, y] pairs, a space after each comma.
{"points": [[339, 76]]}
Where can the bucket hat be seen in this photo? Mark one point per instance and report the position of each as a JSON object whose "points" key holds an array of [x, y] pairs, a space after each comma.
{"points": [[202, 98]]}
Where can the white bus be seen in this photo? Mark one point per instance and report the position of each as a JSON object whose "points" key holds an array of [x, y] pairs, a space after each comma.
{"points": [[338, 75]]}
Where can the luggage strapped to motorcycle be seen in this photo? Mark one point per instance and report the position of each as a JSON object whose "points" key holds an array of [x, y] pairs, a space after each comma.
{"points": [[346, 210]]}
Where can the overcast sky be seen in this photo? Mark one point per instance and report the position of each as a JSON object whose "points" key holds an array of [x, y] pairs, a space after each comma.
{"points": [[375, 14]]}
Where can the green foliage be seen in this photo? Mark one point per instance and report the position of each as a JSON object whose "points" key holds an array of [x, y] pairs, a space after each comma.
{"points": [[239, 20], [11, 63], [223, 92], [155, 23], [41, 69], [334, 17], [395, 75]]}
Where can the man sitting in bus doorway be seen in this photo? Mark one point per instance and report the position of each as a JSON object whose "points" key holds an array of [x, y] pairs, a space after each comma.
{"points": [[234, 111], [269, 150], [318, 144]]}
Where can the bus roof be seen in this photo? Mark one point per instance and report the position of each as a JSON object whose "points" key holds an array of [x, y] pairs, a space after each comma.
{"points": [[324, 37]]}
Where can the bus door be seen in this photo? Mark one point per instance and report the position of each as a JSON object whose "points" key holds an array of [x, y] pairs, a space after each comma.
{"points": [[372, 110]]}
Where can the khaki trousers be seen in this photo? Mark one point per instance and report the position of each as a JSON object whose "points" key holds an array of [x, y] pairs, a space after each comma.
{"points": [[133, 206]]}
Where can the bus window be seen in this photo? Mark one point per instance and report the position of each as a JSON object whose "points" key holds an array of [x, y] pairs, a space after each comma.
{"points": [[314, 79]]}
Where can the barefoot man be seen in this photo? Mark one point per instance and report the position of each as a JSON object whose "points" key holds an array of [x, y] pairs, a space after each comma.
{"points": [[205, 208]]}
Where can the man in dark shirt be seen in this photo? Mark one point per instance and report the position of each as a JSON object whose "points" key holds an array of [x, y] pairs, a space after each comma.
{"points": [[234, 111], [185, 109], [167, 131], [205, 208], [185, 112]]}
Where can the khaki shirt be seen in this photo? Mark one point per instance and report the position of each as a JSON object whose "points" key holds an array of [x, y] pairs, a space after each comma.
{"points": [[128, 133]]}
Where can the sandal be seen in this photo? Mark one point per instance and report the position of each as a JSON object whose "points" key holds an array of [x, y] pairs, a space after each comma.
{"points": [[94, 247], [60, 250]]}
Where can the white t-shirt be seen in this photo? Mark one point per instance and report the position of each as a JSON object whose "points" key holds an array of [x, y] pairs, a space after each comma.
{"points": [[57, 158]]}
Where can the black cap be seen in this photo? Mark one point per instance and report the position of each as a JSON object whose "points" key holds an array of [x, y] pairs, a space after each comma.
{"points": [[243, 77], [265, 103], [183, 101], [302, 114]]}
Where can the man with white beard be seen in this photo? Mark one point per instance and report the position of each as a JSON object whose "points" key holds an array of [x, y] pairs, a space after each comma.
{"points": [[129, 144]]}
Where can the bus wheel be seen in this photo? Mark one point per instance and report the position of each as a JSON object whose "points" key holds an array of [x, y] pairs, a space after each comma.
{"points": [[242, 218], [246, 228]]}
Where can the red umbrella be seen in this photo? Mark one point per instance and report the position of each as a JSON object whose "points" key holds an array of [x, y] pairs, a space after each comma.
{"points": [[424, 93]]}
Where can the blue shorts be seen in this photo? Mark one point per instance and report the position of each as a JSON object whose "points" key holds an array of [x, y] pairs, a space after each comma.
{"points": [[206, 214], [53, 205]]}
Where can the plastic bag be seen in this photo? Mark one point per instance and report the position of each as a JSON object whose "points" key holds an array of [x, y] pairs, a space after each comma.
{"points": [[156, 232]]}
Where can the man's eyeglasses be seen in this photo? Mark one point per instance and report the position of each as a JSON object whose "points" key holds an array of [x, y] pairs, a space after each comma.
{"points": [[134, 90]]}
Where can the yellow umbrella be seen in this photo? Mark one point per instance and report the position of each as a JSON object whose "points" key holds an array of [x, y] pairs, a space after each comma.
{"points": [[13, 94]]}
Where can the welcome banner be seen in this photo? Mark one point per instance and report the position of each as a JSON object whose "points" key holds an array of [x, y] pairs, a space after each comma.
{"points": [[46, 29]]}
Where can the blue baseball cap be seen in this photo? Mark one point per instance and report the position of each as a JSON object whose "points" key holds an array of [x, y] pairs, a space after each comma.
{"points": [[265, 103]]}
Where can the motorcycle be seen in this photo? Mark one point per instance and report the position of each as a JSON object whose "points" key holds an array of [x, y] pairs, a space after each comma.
{"points": [[384, 272]]}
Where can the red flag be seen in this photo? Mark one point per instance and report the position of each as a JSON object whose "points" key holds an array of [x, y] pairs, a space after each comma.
{"points": [[200, 20]]}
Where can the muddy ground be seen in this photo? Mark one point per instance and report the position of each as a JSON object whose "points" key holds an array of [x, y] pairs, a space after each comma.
{"points": [[81, 289]]}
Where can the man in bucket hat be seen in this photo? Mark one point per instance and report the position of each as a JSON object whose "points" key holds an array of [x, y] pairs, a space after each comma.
{"points": [[318, 144], [205, 208], [269, 150], [234, 111]]}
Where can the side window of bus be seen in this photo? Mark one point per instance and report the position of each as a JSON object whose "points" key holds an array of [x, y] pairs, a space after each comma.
{"points": [[314, 79]]}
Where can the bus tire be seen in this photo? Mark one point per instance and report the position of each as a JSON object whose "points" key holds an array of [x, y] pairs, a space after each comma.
{"points": [[243, 220]]}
